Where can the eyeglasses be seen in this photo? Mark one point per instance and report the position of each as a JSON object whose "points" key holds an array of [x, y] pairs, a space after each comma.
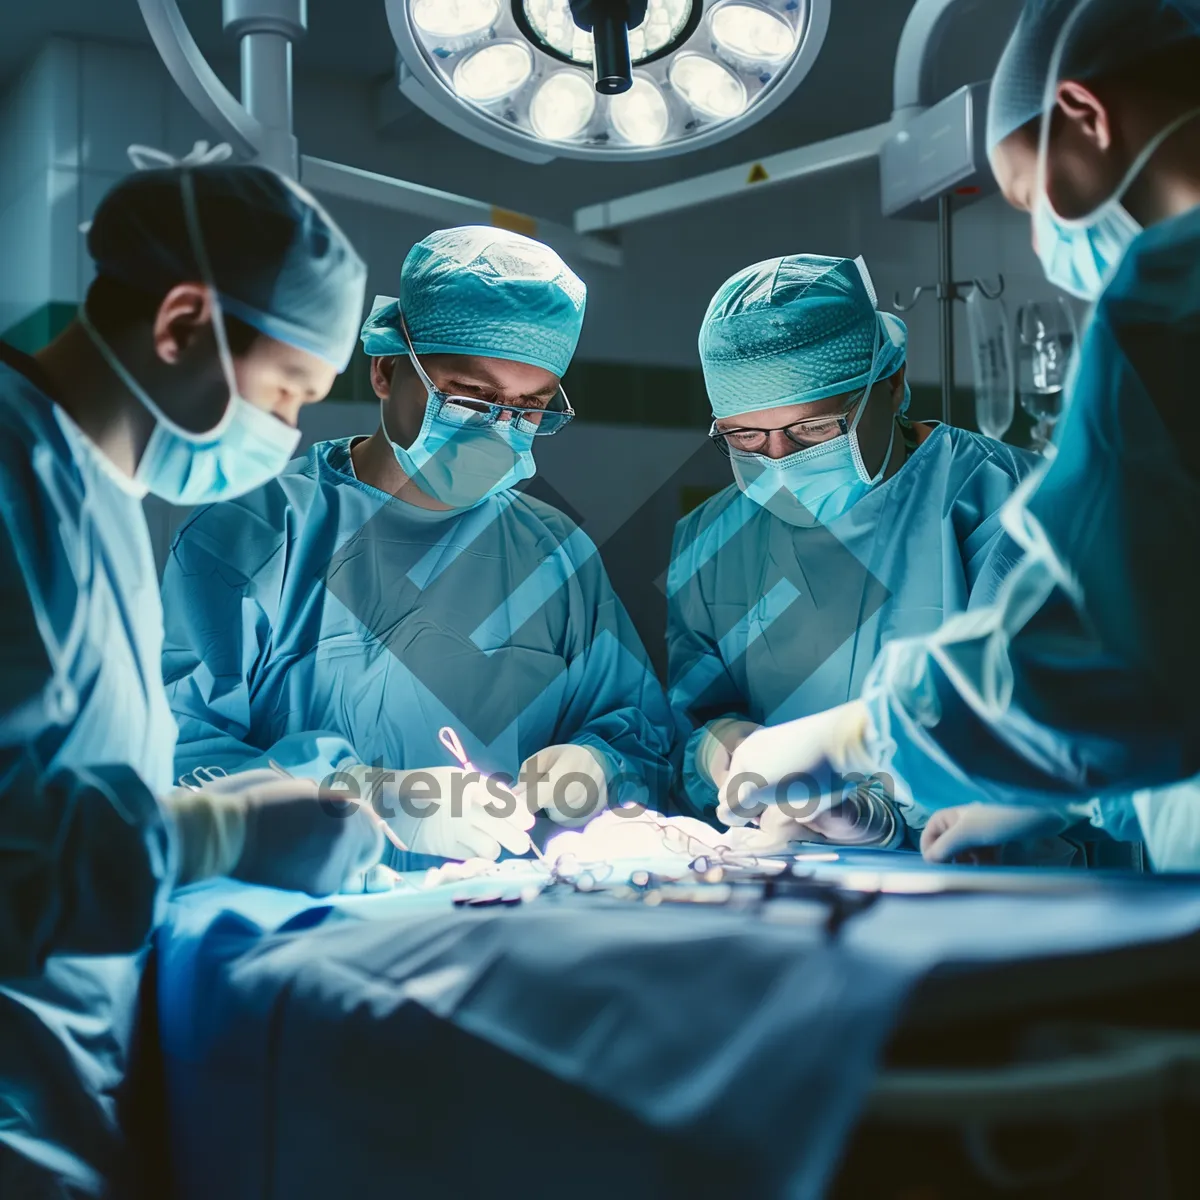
{"points": [[802, 434], [466, 412]]}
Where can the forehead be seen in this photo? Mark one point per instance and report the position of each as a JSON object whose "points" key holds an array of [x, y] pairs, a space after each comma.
{"points": [[500, 373], [1014, 163], [269, 352], [786, 414]]}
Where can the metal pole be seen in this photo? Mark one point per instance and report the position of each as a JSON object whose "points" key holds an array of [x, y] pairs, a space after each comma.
{"points": [[945, 294], [267, 29]]}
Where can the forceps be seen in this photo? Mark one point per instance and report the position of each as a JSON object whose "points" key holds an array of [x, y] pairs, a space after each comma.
{"points": [[450, 739]]}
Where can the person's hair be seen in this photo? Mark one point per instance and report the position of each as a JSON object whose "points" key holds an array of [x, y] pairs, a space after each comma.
{"points": [[1173, 73], [114, 307]]}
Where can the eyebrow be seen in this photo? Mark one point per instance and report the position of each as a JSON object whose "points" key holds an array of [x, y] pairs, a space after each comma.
{"points": [[485, 382]]}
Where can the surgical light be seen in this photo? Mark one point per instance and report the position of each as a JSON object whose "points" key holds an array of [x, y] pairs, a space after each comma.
{"points": [[493, 73], [748, 34], [640, 115], [562, 106], [455, 24], [603, 79], [707, 86]]}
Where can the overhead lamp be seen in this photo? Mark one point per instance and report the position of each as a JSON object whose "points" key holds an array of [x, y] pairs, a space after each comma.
{"points": [[603, 79]]}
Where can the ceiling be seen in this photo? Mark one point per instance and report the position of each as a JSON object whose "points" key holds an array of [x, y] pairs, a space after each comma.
{"points": [[849, 87]]}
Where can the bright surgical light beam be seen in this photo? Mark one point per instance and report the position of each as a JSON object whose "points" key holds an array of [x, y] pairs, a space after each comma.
{"points": [[563, 106], [640, 115], [708, 87], [746, 35], [456, 23], [493, 73]]}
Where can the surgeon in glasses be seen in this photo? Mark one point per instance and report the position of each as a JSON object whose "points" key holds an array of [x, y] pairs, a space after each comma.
{"points": [[396, 584], [847, 525]]}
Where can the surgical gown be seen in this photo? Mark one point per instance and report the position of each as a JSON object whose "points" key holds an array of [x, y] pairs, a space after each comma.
{"points": [[1082, 679], [318, 622], [768, 621], [86, 740]]}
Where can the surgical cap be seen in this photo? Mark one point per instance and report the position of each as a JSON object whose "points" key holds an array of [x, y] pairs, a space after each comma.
{"points": [[279, 262], [795, 329], [1106, 35], [480, 290]]}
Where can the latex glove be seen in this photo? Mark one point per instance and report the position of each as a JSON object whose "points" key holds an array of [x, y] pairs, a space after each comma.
{"points": [[264, 828], [820, 751], [714, 751], [953, 832], [567, 781], [446, 811]]}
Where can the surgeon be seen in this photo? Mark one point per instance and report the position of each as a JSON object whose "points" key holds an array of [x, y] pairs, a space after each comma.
{"points": [[847, 524], [1076, 691], [218, 310], [392, 605]]}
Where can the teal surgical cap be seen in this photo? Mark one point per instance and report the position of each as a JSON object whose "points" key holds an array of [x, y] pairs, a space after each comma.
{"points": [[278, 261], [796, 329], [480, 290], [1106, 35]]}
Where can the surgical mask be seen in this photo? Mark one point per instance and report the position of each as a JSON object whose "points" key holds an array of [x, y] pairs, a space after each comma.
{"points": [[456, 460], [819, 483], [1081, 255], [247, 448]]}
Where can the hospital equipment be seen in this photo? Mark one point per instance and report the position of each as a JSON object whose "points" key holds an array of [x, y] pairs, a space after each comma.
{"points": [[992, 359], [1047, 335]]}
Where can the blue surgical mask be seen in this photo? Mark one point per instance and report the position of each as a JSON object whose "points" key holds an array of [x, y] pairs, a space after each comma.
{"points": [[820, 483], [1080, 257], [814, 485], [456, 460], [247, 448]]}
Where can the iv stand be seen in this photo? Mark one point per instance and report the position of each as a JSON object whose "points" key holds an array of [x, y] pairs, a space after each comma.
{"points": [[948, 290]]}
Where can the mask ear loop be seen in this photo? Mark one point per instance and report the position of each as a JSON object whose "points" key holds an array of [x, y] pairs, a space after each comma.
{"points": [[191, 216], [872, 378]]}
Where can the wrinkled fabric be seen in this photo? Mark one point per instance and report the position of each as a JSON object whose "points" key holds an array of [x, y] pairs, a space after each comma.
{"points": [[488, 1015], [483, 291], [1080, 680], [768, 621], [320, 623], [1106, 35], [86, 739]]}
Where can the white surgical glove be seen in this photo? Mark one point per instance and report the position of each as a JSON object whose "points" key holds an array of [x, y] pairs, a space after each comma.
{"points": [[446, 811], [568, 781], [952, 832], [818, 750], [714, 750], [264, 828]]}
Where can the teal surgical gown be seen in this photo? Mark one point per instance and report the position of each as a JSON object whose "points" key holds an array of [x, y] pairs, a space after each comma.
{"points": [[318, 622], [86, 740], [1081, 680], [768, 621]]}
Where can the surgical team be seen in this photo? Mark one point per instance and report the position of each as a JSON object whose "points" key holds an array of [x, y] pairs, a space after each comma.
{"points": [[1000, 648]]}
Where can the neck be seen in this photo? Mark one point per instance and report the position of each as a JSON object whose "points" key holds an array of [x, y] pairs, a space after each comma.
{"points": [[95, 399], [376, 466], [1169, 186]]}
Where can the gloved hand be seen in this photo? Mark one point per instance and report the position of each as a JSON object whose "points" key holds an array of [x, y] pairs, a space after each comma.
{"points": [[953, 832], [263, 828], [819, 751], [446, 811], [568, 781], [714, 750]]}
